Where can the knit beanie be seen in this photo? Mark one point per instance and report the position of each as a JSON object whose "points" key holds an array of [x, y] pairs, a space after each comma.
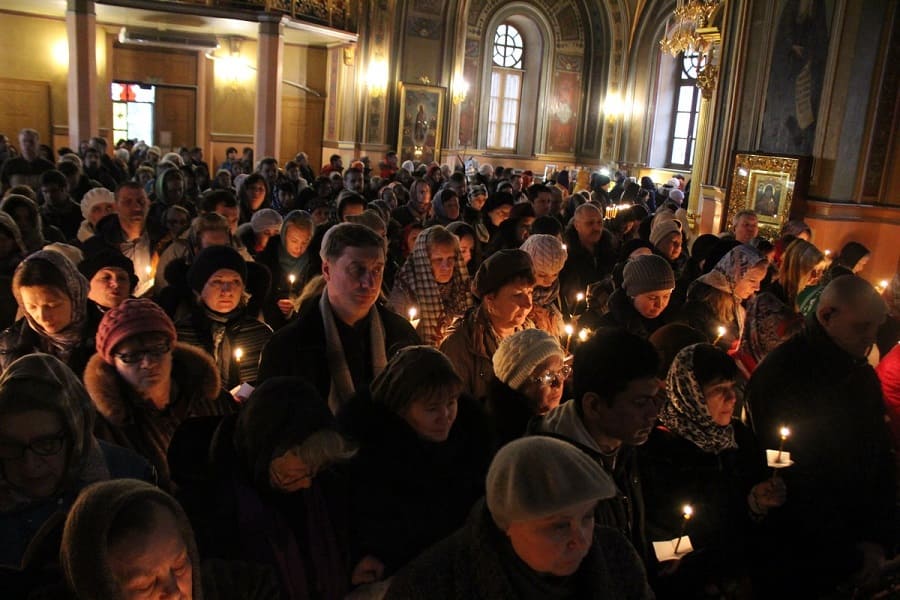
{"points": [[265, 218], [95, 196], [538, 476], [108, 258], [477, 190], [677, 196], [647, 273], [211, 260], [84, 549], [497, 200], [546, 251], [602, 180], [663, 227], [519, 354], [500, 268], [132, 317]]}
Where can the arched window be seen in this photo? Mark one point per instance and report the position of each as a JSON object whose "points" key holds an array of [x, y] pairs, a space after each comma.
{"points": [[507, 74], [685, 113]]}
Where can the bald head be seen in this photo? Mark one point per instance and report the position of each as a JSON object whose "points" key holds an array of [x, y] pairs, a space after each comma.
{"points": [[851, 311], [588, 224]]}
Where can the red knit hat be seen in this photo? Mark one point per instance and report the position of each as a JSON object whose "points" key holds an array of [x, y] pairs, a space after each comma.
{"points": [[131, 318]]}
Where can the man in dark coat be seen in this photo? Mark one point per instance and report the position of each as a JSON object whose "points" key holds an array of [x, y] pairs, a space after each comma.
{"points": [[591, 249], [839, 516], [341, 340], [614, 410]]}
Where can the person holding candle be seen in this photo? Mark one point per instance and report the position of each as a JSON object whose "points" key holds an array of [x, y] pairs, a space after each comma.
{"points": [[504, 284], [292, 263], [701, 455], [435, 281], [852, 259], [840, 516], [639, 305], [219, 322], [533, 536], [715, 299]]}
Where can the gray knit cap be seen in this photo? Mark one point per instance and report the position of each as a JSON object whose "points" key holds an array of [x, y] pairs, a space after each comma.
{"points": [[647, 273], [265, 218], [539, 476], [519, 354], [546, 251], [662, 227]]}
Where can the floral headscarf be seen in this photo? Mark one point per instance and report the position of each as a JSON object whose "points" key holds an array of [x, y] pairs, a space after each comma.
{"points": [[730, 270], [437, 304], [686, 413]]}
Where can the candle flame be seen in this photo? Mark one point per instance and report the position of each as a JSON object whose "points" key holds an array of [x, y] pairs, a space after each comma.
{"points": [[569, 329], [784, 431], [688, 511], [412, 313], [565, 247], [579, 296], [721, 330], [239, 354], [883, 283], [148, 269], [292, 278], [827, 253], [583, 334]]}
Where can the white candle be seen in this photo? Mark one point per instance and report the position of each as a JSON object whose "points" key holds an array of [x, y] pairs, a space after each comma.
{"points": [[721, 331], [687, 513], [238, 354], [784, 432]]}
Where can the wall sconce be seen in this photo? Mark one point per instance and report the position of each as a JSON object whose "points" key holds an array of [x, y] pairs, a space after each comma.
{"points": [[377, 77], [613, 107], [231, 68], [60, 53], [460, 88]]}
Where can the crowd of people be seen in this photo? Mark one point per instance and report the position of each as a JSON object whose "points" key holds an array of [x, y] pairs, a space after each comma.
{"points": [[409, 381]]}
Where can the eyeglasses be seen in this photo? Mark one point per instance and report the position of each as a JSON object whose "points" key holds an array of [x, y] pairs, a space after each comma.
{"points": [[45, 446], [154, 354], [553, 378]]}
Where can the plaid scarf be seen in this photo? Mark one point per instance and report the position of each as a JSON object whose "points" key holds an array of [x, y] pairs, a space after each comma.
{"points": [[686, 414], [437, 305], [342, 388]]}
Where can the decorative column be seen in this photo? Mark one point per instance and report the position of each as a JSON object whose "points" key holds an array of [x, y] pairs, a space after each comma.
{"points": [[707, 79], [81, 21], [270, 68]]}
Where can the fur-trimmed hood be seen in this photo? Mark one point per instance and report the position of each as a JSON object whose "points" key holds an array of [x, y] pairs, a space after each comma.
{"points": [[192, 369]]}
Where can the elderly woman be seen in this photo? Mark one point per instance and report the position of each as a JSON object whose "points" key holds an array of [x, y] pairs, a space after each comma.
{"points": [[639, 305], [144, 384], [265, 224], [219, 322], [504, 283], [111, 278], [433, 281], [548, 256], [59, 318], [276, 496], [533, 537], [714, 299], [129, 540], [529, 377], [96, 204], [48, 453], [424, 450], [291, 263], [701, 455]]}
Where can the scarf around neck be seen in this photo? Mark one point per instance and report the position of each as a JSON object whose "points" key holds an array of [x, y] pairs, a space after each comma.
{"points": [[342, 388]]}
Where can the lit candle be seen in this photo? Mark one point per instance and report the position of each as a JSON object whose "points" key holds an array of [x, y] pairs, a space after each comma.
{"points": [[584, 334], [721, 331], [238, 354], [564, 247], [882, 285], [292, 279], [569, 329], [148, 269], [579, 297], [784, 432], [687, 513], [412, 317], [827, 253]]}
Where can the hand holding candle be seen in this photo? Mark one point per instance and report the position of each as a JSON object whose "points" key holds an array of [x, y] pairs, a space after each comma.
{"points": [[778, 459]]}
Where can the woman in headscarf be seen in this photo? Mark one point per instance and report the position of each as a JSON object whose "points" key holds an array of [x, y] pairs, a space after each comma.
{"points": [[27, 215], [701, 456], [291, 263], [253, 195], [714, 299], [435, 282], [424, 451], [48, 453], [275, 493], [53, 297], [220, 323], [548, 255], [469, 245], [446, 207], [12, 251]]}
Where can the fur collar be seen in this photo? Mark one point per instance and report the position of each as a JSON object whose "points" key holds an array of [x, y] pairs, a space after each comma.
{"points": [[192, 369]]}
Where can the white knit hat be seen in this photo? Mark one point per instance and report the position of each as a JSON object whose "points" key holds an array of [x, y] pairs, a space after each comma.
{"points": [[265, 218], [95, 196], [546, 251], [519, 354]]}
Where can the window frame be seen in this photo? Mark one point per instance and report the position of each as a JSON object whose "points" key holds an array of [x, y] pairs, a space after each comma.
{"points": [[682, 80], [496, 128]]}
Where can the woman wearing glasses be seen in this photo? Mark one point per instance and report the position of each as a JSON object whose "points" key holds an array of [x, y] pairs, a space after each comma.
{"points": [[47, 455], [144, 384], [529, 377], [53, 296]]}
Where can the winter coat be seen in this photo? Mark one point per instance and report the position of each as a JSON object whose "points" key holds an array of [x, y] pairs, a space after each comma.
{"points": [[625, 512], [509, 412], [409, 493], [623, 315], [239, 332], [582, 267], [109, 236], [281, 286], [125, 420], [476, 562], [66, 218], [470, 347], [298, 348], [841, 488]]}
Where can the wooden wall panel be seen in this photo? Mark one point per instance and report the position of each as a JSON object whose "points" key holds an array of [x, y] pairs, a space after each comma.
{"points": [[25, 104], [176, 110], [302, 127], [156, 66]]}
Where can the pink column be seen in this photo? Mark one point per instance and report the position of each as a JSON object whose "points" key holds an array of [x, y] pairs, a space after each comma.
{"points": [[270, 67], [81, 21]]}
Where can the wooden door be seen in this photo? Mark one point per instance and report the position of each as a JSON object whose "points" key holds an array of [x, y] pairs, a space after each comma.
{"points": [[175, 118], [302, 125]]}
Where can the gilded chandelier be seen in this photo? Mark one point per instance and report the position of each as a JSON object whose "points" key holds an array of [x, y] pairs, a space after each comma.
{"points": [[690, 17]]}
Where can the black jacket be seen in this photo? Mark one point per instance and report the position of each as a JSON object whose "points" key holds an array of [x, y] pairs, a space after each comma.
{"points": [[623, 315], [583, 267]]}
